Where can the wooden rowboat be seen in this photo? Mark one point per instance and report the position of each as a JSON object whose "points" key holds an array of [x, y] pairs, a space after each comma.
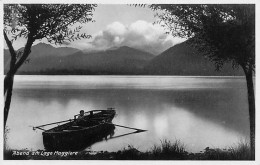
{"points": [[74, 135], [77, 134]]}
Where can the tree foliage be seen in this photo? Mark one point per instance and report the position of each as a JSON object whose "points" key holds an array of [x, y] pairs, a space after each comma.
{"points": [[223, 33], [52, 21]]}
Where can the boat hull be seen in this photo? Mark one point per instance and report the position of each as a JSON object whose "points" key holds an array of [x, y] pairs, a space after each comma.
{"points": [[79, 139]]}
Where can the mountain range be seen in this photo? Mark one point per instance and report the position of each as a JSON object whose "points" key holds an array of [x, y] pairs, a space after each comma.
{"points": [[180, 59]]}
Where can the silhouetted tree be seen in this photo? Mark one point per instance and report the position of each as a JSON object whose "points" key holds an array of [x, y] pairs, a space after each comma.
{"points": [[223, 33], [37, 21]]}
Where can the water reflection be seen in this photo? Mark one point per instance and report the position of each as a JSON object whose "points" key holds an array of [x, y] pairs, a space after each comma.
{"points": [[212, 116]]}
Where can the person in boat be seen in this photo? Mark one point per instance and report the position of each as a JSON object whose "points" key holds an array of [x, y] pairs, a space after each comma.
{"points": [[80, 120], [81, 114]]}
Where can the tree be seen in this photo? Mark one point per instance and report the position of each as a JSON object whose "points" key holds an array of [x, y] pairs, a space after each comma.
{"points": [[37, 21], [222, 33]]}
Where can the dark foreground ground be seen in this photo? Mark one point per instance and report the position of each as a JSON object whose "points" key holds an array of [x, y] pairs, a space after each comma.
{"points": [[166, 151]]}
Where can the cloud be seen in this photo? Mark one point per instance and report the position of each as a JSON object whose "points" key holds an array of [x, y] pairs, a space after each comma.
{"points": [[140, 34]]}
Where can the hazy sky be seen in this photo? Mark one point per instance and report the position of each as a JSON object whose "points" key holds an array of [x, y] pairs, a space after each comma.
{"points": [[121, 25]]}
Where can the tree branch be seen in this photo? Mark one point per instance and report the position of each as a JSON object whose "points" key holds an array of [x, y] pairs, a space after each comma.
{"points": [[27, 51], [9, 75], [10, 46]]}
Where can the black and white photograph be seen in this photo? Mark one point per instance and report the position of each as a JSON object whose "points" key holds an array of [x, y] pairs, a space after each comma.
{"points": [[133, 81]]}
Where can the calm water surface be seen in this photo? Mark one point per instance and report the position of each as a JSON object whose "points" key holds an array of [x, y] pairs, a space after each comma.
{"points": [[198, 111]]}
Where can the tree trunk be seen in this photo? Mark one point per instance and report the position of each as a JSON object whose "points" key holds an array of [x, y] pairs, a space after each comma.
{"points": [[14, 66], [8, 84], [251, 104]]}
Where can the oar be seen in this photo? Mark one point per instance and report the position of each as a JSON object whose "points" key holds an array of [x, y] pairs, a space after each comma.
{"points": [[139, 130], [52, 124], [118, 136]]}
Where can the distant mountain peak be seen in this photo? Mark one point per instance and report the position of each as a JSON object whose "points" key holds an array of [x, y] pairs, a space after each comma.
{"points": [[130, 49], [43, 44], [120, 48], [125, 47]]}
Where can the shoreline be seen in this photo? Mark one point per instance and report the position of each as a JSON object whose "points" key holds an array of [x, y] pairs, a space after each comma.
{"points": [[166, 151]]}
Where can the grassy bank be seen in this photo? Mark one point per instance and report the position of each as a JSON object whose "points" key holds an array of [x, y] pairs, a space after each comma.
{"points": [[165, 151]]}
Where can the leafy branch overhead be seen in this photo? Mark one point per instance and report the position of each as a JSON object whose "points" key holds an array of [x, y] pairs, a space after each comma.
{"points": [[223, 33], [51, 21]]}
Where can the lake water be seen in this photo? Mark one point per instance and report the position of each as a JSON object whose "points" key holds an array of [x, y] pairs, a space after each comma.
{"points": [[199, 111]]}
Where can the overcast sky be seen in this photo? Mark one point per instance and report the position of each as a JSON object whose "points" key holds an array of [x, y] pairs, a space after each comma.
{"points": [[121, 25]]}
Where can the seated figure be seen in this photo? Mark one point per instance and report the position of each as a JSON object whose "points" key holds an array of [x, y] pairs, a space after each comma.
{"points": [[80, 120], [81, 114]]}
